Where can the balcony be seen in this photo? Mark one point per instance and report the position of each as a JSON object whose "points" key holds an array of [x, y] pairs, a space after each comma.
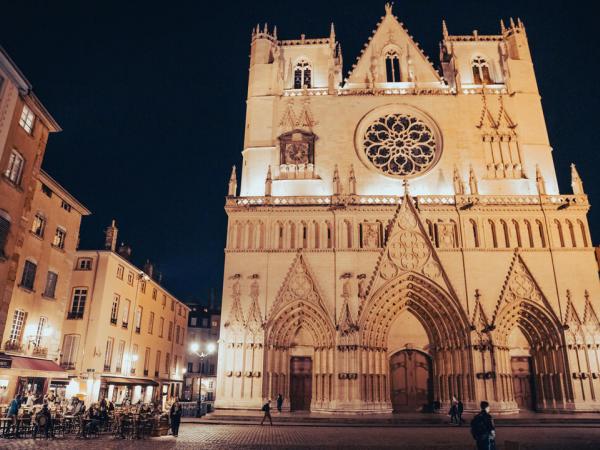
{"points": [[74, 315], [13, 346], [40, 351], [67, 365], [113, 320]]}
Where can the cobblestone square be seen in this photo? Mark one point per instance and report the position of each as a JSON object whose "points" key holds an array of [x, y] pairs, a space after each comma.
{"points": [[253, 437]]}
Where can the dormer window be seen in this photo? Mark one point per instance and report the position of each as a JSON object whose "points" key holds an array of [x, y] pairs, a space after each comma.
{"points": [[302, 75], [481, 71], [392, 67]]}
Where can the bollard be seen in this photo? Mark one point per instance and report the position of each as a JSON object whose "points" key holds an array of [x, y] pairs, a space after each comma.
{"points": [[511, 445]]}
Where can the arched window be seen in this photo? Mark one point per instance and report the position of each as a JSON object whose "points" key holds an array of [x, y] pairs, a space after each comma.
{"points": [[572, 233], [279, 235], [261, 235], [475, 233], [493, 231], [292, 228], [317, 231], [430, 230], [392, 66], [239, 235], [581, 227], [304, 231], [506, 234], [541, 231], [302, 74], [481, 71], [529, 234], [517, 233], [329, 235], [348, 229], [559, 231], [249, 235]]}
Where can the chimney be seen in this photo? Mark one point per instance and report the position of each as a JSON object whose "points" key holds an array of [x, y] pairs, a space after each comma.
{"points": [[111, 233], [125, 251], [149, 269]]}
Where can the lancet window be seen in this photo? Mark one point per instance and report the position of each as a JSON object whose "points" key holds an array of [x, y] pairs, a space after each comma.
{"points": [[481, 71], [392, 66], [302, 74]]}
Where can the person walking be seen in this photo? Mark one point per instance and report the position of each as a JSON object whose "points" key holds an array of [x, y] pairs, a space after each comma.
{"points": [[459, 412], [267, 410], [13, 412], [175, 416], [483, 429], [279, 402], [453, 411]]}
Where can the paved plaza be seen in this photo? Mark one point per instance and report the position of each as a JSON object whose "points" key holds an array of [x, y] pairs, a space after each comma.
{"points": [[204, 436]]}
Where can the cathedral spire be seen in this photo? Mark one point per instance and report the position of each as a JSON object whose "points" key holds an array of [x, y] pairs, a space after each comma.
{"points": [[473, 187], [337, 186], [539, 181], [576, 182], [459, 188], [388, 8], [232, 183], [332, 35], [502, 26], [352, 181], [444, 29], [268, 183]]}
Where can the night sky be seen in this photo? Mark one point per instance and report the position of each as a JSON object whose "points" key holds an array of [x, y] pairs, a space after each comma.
{"points": [[151, 98]]}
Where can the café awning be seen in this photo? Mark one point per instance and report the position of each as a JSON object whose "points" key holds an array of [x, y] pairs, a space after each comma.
{"points": [[45, 365], [129, 381]]}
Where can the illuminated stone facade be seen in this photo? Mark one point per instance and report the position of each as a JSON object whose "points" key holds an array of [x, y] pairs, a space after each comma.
{"points": [[399, 238]]}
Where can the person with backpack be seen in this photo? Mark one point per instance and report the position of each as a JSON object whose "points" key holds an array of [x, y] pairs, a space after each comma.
{"points": [[483, 429], [267, 410]]}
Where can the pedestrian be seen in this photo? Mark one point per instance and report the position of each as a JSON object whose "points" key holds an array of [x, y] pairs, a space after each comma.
{"points": [[13, 412], [459, 412], [453, 411], [175, 416], [483, 429], [279, 402], [43, 420], [267, 410]]}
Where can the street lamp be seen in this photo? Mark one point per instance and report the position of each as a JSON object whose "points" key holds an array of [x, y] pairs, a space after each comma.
{"points": [[195, 349]]}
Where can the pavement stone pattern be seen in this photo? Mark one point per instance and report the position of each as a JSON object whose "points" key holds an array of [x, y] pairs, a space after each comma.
{"points": [[255, 437]]}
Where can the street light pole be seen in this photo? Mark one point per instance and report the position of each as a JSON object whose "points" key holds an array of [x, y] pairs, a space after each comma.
{"points": [[195, 347]]}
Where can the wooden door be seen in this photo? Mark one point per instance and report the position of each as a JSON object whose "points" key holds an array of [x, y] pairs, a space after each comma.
{"points": [[523, 382], [300, 383], [411, 381]]}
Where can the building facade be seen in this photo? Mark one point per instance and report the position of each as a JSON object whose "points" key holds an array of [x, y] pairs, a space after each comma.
{"points": [[31, 341], [204, 324], [400, 238], [24, 129], [124, 334]]}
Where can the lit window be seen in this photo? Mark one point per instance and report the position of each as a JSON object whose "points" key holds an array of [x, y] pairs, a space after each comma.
{"points": [[193, 321], [28, 277], [27, 119], [39, 334], [14, 169], [120, 354], [84, 264], [16, 329], [125, 322], [138, 319], [481, 71], [392, 67], [151, 323], [50, 288], [59, 238], [38, 225], [69, 351], [110, 343], [302, 75], [114, 311], [78, 303]]}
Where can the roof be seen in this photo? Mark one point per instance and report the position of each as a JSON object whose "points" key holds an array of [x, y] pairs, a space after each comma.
{"points": [[45, 178]]}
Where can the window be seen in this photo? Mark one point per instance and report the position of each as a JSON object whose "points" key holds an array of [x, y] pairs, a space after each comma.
{"points": [[481, 71], [84, 264], [151, 323], [215, 323], [392, 67], [120, 271], [541, 231], [146, 361], [205, 323], [475, 233], [28, 277], [494, 236], [177, 332], [125, 320], [59, 238], [157, 363], [39, 334], [193, 321], [14, 169], [27, 119], [302, 75], [78, 303], [154, 293], [170, 335], [559, 232], [138, 319], [120, 354], [143, 286], [50, 289], [134, 358], [130, 278], [172, 305], [110, 343], [16, 330], [69, 351], [4, 229], [161, 326], [64, 205], [46, 190], [190, 367], [38, 225], [168, 363], [114, 312], [164, 301]]}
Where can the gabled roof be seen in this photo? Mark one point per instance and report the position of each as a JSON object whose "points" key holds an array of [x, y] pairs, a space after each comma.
{"points": [[390, 33]]}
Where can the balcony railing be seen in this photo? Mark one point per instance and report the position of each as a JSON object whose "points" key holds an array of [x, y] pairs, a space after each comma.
{"points": [[13, 346], [107, 367], [113, 320], [125, 325], [40, 351], [71, 315], [67, 365]]}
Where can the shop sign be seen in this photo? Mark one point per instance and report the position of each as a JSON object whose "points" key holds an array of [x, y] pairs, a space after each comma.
{"points": [[5, 363]]}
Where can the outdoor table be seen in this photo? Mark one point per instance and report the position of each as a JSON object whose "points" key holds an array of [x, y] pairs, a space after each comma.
{"points": [[5, 426]]}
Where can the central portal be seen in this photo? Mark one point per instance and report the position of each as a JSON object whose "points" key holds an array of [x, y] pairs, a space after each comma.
{"points": [[300, 383], [412, 384]]}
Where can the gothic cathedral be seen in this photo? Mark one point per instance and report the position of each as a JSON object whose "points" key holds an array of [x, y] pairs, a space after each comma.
{"points": [[399, 238]]}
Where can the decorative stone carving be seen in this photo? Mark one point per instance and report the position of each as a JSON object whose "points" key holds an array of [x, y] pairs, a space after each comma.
{"points": [[236, 316]]}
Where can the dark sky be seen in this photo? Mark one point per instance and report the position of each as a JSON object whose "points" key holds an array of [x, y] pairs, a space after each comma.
{"points": [[151, 97]]}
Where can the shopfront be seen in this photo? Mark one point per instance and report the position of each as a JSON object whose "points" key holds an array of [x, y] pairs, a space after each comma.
{"points": [[122, 390]]}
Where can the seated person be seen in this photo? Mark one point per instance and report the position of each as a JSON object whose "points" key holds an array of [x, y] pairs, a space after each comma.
{"points": [[91, 425], [43, 421]]}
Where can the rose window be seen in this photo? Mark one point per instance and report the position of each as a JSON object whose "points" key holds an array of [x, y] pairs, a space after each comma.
{"points": [[400, 145]]}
